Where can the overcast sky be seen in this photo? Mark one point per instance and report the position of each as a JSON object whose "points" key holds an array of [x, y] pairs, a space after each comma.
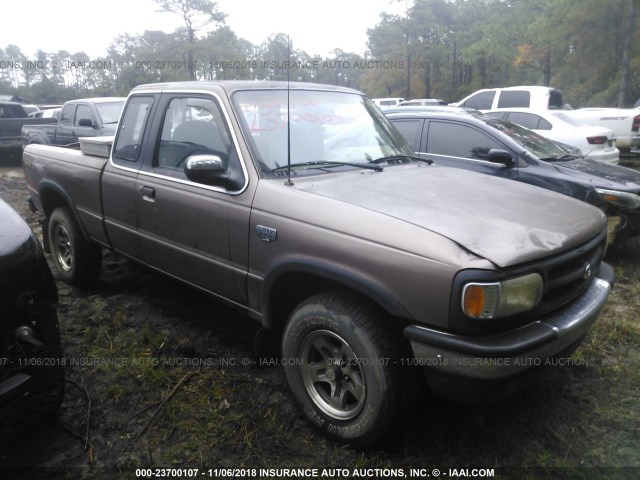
{"points": [[317, 26]]}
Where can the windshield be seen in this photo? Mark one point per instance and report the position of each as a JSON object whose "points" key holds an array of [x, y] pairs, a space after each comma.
{"points": [[109, 112], [536, 144], [325, 127]]}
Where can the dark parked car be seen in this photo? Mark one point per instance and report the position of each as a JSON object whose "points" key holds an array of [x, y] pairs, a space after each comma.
{"points": [[31, 374], [468, 139]]}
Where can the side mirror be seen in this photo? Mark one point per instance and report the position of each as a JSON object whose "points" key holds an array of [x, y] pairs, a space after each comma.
{"points": [[85, 122], [501, 156], [207, 169]]}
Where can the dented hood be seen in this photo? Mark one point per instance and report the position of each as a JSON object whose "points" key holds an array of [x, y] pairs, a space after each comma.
{"points": [[503, 221]]}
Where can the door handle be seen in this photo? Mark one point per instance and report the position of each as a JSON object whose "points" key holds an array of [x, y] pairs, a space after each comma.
{"points": [[148, 193]]}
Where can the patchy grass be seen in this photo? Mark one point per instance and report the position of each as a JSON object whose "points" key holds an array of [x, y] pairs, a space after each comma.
{"points": [[580, 421]]}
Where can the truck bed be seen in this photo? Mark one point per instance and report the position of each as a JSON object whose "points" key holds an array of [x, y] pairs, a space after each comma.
{"points": [[11, 134], [54, 162], [40, 134]]}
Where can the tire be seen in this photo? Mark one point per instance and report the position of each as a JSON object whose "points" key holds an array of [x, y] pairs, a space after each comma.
{"points": [[77, 260], [341, 366]]}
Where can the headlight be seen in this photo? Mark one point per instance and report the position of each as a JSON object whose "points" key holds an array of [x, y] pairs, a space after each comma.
{"points": [[501, 299], [621, 199]]}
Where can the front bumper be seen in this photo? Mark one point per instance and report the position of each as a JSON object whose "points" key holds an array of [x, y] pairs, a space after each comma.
{"points": [[456, 365]]}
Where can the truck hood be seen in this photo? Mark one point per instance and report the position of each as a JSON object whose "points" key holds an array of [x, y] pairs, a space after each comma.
{"points": [[600, 174], [503, 221]]}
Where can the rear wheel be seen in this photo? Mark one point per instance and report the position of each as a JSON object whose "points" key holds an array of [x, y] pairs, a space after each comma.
{"points": [[341, 365], [77, 260]]}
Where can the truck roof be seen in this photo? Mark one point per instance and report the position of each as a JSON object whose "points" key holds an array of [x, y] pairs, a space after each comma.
{"points": [[230, 86], [97, 100]]}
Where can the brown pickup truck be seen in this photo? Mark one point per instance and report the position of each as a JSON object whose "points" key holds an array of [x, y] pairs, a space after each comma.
{"points": [[302, 206]]}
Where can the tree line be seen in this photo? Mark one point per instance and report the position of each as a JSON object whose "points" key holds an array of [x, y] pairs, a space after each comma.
{"points": [[590, 49]]}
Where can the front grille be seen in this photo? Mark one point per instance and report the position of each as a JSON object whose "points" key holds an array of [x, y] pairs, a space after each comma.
{"points": [[567, 275]]}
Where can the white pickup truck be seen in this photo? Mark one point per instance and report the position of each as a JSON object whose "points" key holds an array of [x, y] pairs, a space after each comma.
{"points": [[625, 122]]}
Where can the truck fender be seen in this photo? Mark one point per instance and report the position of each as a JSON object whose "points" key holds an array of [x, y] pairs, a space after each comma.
{"points": [[52, 195], [332, 276]]}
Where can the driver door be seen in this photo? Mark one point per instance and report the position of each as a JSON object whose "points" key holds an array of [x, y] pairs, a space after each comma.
{"points": [[191, 231]]}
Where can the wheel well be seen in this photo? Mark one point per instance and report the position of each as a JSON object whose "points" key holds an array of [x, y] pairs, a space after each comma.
{"points": [[294, 287], [51, 200]]}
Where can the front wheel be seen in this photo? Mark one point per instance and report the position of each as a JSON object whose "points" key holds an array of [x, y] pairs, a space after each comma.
{"points": [[77, 260], [341, 365]]}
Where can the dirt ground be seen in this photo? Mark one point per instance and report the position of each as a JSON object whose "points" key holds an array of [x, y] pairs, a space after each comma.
{"points": [[164, 377]]}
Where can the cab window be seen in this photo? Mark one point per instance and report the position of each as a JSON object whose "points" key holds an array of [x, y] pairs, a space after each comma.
{"points": [[192, 126], [514, 99]]}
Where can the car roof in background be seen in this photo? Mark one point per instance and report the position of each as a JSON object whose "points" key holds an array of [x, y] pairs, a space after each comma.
{"points": [[535, 111], [98, 100], [427, 102], [424, 110]]}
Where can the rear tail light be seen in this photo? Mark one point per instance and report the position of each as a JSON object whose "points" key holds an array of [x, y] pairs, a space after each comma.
{"points": [[597, 140], [636, 123]]}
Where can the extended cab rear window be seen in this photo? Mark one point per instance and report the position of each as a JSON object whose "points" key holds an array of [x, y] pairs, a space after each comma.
{"points": [[131, 128]]}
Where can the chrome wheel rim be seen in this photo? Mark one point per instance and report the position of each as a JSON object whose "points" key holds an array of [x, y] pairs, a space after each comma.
{"points": [[61, 242], [332, 375]]}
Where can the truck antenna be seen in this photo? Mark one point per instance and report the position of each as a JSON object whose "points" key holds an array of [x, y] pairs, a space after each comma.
{"points": [[288, 183]]}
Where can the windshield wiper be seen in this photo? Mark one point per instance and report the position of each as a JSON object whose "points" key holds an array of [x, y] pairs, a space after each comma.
{"points": [[392, 158], [326, 163], [564, 158]]}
